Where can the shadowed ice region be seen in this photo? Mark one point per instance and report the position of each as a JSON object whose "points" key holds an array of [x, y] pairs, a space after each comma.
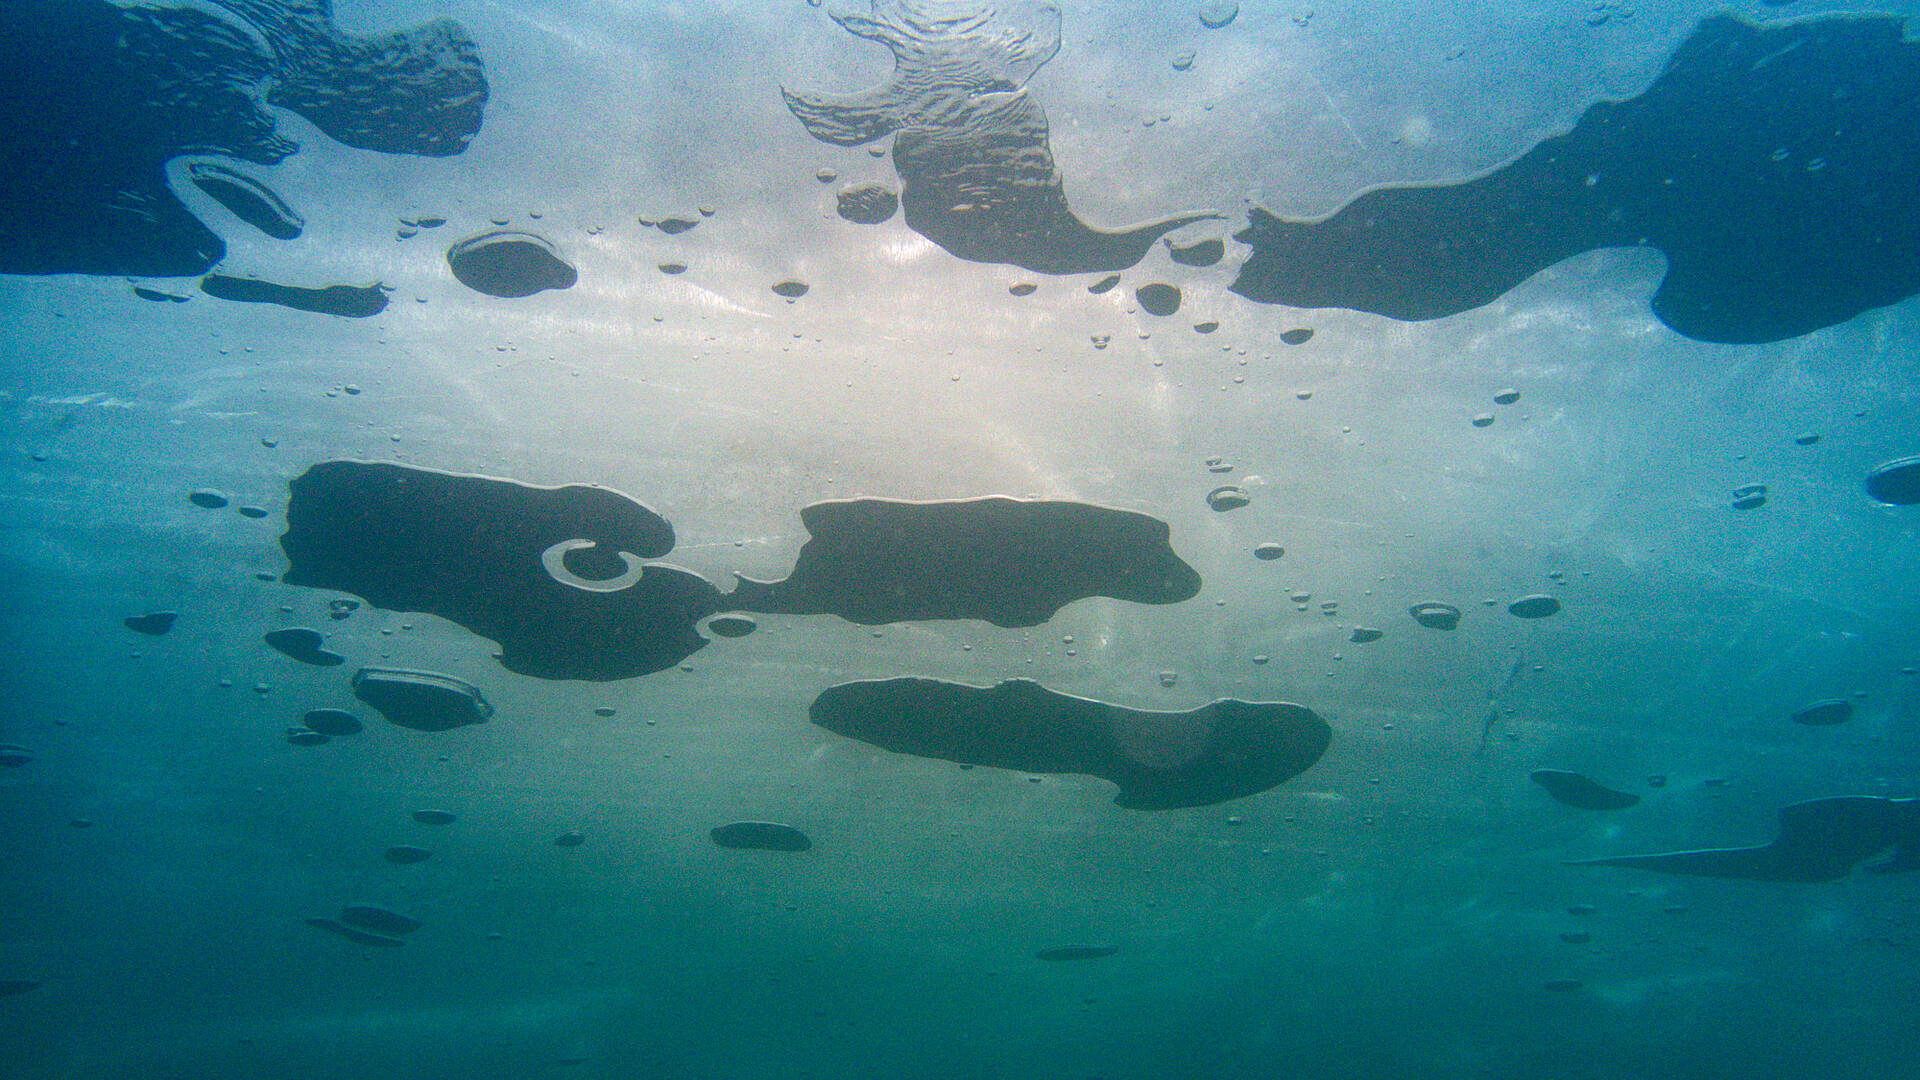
{"points": [[970, 142], [1161, 760], [1009, 562], [1820, 840], [508, 561], [95, 99], [1774, 166]]}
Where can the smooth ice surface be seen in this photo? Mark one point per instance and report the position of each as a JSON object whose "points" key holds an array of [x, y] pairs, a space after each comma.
{"points": [[1404, 906]]}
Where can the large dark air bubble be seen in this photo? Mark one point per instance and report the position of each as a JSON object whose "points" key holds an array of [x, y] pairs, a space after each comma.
{"points": [[1010, 562], [478, 551], [555, 574], [1774, 166], [96, 98], [510, 265], [1819, 840], [1161, 760], [970, 141]]}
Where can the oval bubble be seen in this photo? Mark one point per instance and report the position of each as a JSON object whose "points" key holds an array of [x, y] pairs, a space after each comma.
{"points": [[1824, 713], [510, 265], [1534, 606], [732, 626], [1228, 497], [1896, 482], [761, 836]]}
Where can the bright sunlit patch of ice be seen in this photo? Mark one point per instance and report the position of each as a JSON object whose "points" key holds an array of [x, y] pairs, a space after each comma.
{"points": [[104, 401], [905, 249], [586, 45], [1021, 454], [700, 296]]}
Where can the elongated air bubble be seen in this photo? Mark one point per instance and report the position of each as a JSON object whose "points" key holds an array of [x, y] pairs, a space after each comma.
{"points": [[554, 559], [248, 199]]}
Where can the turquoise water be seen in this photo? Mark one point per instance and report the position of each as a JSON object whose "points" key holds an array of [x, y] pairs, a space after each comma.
{"points": [[957, 539]]}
